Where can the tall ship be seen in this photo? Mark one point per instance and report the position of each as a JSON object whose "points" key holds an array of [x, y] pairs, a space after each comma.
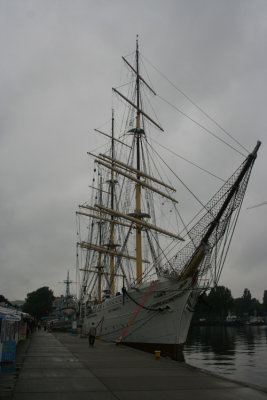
{"points": [[142, 268]]}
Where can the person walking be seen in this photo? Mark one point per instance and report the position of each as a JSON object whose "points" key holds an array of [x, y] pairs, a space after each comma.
{"points": [[92, 334]]}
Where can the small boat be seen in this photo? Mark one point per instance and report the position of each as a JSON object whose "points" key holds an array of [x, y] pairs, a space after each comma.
{"points": [[142, 268]]}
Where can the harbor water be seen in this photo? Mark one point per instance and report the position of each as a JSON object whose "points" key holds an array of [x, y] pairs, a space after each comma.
{"points": [[238, 353]]}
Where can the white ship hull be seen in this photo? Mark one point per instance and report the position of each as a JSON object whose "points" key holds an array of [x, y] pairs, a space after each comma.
{"points": [[162, 323]]}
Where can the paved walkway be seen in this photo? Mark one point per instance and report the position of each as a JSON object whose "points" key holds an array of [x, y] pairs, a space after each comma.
{"points": [[63, 366]]}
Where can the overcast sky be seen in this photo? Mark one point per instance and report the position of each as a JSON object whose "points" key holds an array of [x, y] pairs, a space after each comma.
{"points": [[59, 60]]}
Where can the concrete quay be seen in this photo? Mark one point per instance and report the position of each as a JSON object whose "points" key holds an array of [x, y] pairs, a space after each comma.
{"points": [[62, 366]]}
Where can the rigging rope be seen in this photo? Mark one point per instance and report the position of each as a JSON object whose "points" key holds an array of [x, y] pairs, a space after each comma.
{"points": [[180, 180], [190, 162], [197, 106], [201, 126]]}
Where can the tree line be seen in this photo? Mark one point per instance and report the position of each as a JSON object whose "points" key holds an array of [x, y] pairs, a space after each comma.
{"points": [[219, 303]]}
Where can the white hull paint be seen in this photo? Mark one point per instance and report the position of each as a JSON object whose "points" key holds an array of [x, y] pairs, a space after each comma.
{"points": [[167, 322]]}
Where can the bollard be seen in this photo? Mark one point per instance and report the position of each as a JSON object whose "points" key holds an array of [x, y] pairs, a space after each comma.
{"points": [[157, 354]]}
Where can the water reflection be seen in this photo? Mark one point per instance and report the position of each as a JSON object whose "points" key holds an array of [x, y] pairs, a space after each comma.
{"points": [[238, 352], [214, 338]]}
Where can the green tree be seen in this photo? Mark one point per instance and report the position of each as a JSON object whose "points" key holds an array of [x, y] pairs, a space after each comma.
{"points": [[255, 307], [239, 307], [202, 308], [221, 302], [246, 300], [39, 303], [246, 305], [264, 303]]}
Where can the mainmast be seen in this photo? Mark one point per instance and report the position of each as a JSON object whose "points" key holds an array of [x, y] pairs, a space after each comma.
{"points": [[109, 213], [139, 269], [112, 183], [99, 263]]}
